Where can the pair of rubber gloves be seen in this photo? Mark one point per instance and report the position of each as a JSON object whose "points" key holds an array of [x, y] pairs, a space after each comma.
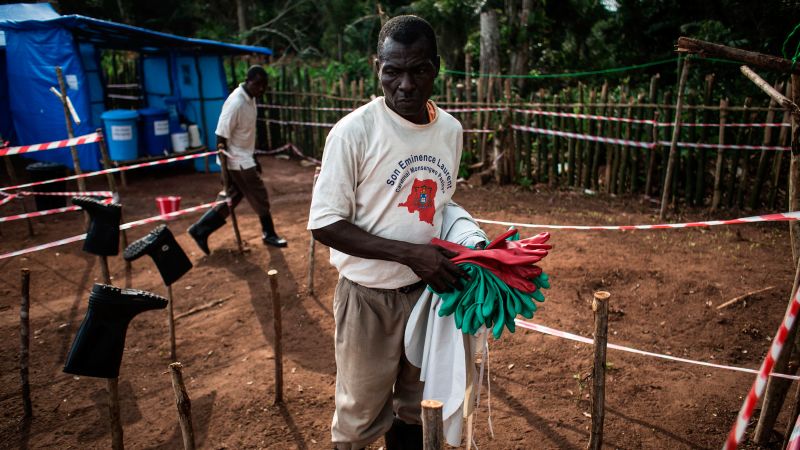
{"points": [[504, 281]]}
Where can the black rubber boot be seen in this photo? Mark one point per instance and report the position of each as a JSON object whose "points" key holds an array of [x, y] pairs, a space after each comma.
{"points": [[102, 236], [161, 245], [202, 229], [403, 436], [100, 341], [268, 234]]}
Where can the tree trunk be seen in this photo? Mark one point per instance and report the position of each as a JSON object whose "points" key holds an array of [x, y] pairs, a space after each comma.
{"points": [[519, 39], [240, 18], [490, 42]]}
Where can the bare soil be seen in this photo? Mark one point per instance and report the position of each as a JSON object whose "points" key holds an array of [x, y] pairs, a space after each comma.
{"points": [[665, 287]]}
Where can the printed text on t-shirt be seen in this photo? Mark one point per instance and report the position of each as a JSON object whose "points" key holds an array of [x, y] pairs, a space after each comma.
{"points": [[420, 163]]}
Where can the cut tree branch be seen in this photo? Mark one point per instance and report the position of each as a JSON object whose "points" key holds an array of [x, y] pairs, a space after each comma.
{"points": [[771, 91], [755, 59]]}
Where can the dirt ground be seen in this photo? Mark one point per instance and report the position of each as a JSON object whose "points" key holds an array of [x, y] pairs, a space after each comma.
{"points": [[665, 287]]}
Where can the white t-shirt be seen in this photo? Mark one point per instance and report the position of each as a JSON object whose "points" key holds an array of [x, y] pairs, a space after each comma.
{"points": [[389, 177], [237, 124]]}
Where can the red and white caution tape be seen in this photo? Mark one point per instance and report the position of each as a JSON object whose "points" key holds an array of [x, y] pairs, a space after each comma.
{"points": [[294, 122], [291, 147], [80, 140], [7, 198], [306, 108], [536, 112], [777, 217], [574, 337], [126, 226], [112, 170], [729, 146], [794, 439], [46, 212], [584, 137], [478, 131], [69, 194], [739, 427]]}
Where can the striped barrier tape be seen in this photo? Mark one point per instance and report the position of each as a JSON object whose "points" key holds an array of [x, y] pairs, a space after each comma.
{"points": [[126, 226], [7, 198], [478, 131], [306, 108], [794, 439], [776, 217], [294, 150], [760, 383], [80, 140], [69, 194], [536, 112], [584, 137], [111, 170], [294, 122], [777, 148], [46, 212], [574, 337]]}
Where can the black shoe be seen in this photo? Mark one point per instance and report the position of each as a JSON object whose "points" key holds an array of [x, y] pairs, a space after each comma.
{"points": [[100, 341], [268, 235], [202, 229], [102, 237], [403, 436], [161, 245]]}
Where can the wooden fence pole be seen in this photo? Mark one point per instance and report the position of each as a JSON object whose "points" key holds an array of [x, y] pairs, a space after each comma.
{"points": [[276, 321], [25, 344], [311, 244], [595, 155], [600, 308], [223, 159], [184, 405], [171, 319], [673, 147], [112, 186], [12, 176], [717, 196], [702, 162], [74, 151], [763, 159], [794, 171], [112, 383], [432, 425], [651, 154]]}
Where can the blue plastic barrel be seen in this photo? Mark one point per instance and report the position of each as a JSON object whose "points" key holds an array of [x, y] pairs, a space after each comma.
{"points": [[200, 164], [155, 131], [121, 134]]}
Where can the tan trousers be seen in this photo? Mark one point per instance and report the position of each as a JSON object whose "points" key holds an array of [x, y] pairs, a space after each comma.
{"points": [[247, 184], [374, 380]]}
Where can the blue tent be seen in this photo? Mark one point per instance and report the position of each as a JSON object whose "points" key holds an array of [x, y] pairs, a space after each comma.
{"points": [[34, 39]]}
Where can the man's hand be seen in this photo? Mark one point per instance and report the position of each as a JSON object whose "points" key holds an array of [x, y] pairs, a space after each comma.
{"points": [[432, 264]]}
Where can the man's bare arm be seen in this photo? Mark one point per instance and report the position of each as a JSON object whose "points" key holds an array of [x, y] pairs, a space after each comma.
{"points": [[429, 262]]}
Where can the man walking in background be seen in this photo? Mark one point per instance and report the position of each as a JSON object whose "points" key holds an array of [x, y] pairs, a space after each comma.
{"points": [[236, 136], [388, 170]]}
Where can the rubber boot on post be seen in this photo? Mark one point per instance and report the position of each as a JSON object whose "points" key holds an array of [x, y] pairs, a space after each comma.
{"points": [[102, 236], [268, 234], [403, 436], [100, 341], [160, 244], [202, 229]]}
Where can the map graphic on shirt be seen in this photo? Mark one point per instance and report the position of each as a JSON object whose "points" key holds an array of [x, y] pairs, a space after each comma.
{"points": [[420, 200]]}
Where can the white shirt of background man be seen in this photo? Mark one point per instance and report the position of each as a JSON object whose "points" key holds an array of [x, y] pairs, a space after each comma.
{"points": [[237, 124]]}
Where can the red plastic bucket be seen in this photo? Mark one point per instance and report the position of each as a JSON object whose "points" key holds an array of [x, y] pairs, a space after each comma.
{"points": [[168, 204]]}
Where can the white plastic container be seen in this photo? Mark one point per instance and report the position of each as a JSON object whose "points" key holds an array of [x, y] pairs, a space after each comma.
{"points": [[194, 136], [180, 141]]}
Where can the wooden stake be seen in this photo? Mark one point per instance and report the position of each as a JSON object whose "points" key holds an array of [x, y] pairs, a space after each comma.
{"points": [[74, 151], [761, 171], [600, 308], [184, 405], [595, 155], [744, 296], [276, 321], [432, 425], [794, 172], [673, 147], [771, 91], [25, 344], [717, 196], [112, 186], [12, 176], [311, 244], [172, 352], [758, 60], [223, 160], [113, 413]]}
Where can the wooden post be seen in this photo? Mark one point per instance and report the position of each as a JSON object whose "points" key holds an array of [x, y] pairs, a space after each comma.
{"points": [[184, 405], [673, 147], [172, 352], [595, 156], [74, 151], [759, 60], [311, 244], [432, 425], [112, 186], [700, 182], [763, 159], [723, 114], [25, 344], [600, 308], [223, 160], [651, 154], [112, 383], [276, 321], [783, 140], [794, 172], [12, 176]]}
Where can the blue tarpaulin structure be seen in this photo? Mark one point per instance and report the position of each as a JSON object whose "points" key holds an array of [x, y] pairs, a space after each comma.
{"points": [[178, 72]]}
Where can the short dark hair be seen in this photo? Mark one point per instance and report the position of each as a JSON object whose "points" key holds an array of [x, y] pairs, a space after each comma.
{"points": [[407, 30], [255, 72]]}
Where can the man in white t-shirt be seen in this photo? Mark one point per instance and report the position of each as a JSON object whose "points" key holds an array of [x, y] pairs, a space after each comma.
{"points": [[236, 136], [388, 170]]}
